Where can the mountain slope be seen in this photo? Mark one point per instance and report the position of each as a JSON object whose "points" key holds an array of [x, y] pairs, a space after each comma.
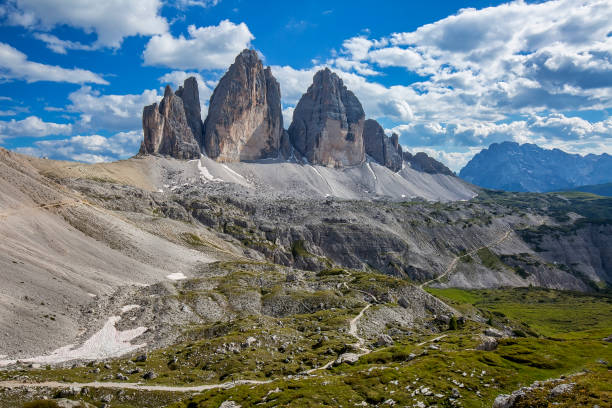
{"points": [[599, 189], [513, 167]]}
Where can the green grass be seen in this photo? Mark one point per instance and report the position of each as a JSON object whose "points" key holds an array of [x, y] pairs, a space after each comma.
{"points": [[549, 313], [489, 259], [561, 333], [388, 374], [593, 207]]}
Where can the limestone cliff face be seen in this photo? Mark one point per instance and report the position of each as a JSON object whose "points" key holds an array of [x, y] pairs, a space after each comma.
{"points": [[191, 102], [166, 129], [244, 115], [385, 150], [327, 126]]}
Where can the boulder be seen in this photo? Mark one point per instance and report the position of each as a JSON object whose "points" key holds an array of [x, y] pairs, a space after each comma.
{"points": [[166, 130], [507, 400], [382, 148], [66, 403], [328, 121], [245, 119], [491, 332], [561, 389], [349, 358], [384, 340], [487, 343]]}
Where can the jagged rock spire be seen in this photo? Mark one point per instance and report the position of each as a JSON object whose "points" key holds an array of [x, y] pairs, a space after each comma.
{"points": [[382, 148], [327, 126], [166, 128]]}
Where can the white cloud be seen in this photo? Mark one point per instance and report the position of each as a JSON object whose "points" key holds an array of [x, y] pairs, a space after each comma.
{"points": [[196, 3], [111, 20], [32, 126], [61, 46], [287, 116], [293, 82], [212, 47], [89, 148], [110, 112], [487, 64], [15, 65]]}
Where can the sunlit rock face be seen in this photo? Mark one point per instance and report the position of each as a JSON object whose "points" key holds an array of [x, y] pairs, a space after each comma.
{"points": [[166, 129], [244, 116]]}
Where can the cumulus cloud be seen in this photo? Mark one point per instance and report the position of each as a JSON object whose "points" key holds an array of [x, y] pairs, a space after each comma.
{"points": [[111, 20], [32, 126], [109, 112], [15, 65], [89, 148], [489, 64], [211, 47]]}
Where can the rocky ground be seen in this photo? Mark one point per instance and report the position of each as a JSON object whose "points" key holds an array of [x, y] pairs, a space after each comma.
{"points": [[209, 278]]}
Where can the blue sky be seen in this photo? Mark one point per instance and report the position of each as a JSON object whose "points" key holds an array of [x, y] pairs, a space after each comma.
{"points": [[449, 77]]}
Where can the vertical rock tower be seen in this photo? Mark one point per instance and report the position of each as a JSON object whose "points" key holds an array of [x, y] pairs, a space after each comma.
{"points": [[385, 150], [244, 120], [167, 130], [328, 121], [191, 102]]}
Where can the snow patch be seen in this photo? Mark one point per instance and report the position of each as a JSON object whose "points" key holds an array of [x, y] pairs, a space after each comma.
{"points": [[127, 308], [92, 295], [107, 343], [205, 173], [233, 172], [369, 165], [176, 276]]}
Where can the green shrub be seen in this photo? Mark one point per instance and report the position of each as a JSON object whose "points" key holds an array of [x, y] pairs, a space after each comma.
{"points": [[452, 325], [41, 404]]}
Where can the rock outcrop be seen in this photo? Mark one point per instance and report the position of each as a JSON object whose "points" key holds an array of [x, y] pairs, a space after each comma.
{"points": [[422, 162], [167, 130], [245, 119], [327, 126], [385, 150], [191, 102]]}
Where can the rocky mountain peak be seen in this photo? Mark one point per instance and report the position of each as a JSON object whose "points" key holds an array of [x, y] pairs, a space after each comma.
{"points": [[244, 115], [327, 126], [166, 128], [528, 167], [190, 95], [382, 148]]}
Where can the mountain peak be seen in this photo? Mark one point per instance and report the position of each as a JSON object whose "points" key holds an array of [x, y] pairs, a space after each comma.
{"points": [[328, 121], [244, 114], [529, 167]]}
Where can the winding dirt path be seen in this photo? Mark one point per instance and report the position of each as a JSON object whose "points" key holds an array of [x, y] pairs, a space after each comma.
{"points": [[198, 388], [454, 262], [130, 386]]}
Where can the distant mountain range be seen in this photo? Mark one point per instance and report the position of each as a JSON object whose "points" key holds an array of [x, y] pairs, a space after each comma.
{"points": [[528, 167]]}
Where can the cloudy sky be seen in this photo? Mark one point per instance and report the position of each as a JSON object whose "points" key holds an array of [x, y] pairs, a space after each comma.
{"points": [[449, 77]]}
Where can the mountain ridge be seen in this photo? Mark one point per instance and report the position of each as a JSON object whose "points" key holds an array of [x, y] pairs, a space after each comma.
{"points": [[528, 167]]}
